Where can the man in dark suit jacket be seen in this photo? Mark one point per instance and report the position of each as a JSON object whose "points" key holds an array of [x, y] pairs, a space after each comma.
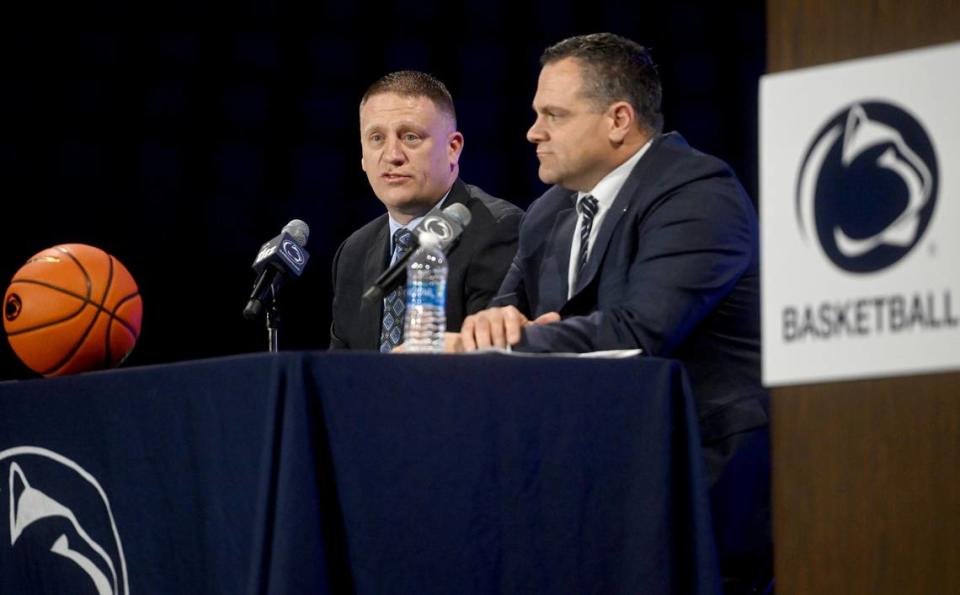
{"points": [[411, 150], [644, 243]]}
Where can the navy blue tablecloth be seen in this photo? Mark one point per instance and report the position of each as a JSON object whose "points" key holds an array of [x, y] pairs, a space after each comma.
{"points": [[365, 473]]}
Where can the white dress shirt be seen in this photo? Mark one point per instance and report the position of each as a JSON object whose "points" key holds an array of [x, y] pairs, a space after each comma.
{"points": [[605, 192]]}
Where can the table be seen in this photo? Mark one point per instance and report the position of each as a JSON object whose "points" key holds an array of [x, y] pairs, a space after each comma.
{"points": [[310, 472]]}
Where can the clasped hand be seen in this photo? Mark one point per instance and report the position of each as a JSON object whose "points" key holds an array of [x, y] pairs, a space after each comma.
{"points": [[493, 327]]}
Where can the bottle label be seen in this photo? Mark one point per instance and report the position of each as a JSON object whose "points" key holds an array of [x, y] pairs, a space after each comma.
{"points": [[427, 294]]}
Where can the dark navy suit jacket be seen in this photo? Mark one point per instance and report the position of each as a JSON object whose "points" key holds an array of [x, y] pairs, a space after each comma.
{"points": [[673, 270]]}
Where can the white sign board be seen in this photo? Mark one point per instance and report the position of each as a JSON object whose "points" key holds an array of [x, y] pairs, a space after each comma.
{"points": [[860, 218]]}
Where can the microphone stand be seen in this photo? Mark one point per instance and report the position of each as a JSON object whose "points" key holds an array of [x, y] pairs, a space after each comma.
{"points": [[273, 321]]}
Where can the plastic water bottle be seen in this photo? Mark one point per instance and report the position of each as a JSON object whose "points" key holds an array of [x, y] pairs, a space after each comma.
{"points": [[426, 316]]}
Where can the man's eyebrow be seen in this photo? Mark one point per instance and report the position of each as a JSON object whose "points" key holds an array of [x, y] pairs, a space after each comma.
{"points": [[405, 125], [551, 108], [410, 125]]}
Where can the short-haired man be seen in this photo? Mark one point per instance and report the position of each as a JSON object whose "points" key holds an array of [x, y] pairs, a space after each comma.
{"points": [[643, 242], [410, 153]]}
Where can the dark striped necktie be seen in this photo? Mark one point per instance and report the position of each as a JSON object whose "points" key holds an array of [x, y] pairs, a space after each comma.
{"points": [[587, 206], [394, 304]]}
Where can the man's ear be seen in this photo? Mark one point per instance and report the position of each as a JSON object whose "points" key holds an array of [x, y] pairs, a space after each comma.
{"points": [[622, 118], [454, 147], [363, 164]]}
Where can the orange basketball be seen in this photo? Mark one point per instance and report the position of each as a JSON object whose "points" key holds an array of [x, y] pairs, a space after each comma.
{"points": [[72, 308]]}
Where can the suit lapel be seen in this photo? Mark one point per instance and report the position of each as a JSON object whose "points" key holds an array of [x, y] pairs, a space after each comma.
{"points": [[554, 274], [630, 194], [374, 263], [458, 194]]}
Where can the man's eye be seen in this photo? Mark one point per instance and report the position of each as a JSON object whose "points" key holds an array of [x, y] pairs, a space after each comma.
{"points": [[376, 138], [411, 138]]}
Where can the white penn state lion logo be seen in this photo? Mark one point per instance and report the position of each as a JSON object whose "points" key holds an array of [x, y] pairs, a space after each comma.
{"points": [[440, 226], [865, 191], [37, 519], [292, 250]]}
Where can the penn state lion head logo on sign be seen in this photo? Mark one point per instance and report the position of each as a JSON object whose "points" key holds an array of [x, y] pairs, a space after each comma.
{"points": [[867, 186], [60, 535]]}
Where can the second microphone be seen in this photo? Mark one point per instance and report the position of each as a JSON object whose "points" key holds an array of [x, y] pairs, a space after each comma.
{"points": [[447, 224]]}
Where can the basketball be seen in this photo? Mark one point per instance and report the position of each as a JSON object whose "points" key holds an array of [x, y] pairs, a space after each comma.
{"points": [[72, 308]]}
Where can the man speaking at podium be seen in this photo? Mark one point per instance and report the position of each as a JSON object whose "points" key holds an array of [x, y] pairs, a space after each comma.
{"points": [[645, 243], [411, 151]]}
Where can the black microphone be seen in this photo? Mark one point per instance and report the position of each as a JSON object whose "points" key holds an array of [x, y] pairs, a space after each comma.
{"points": [[447, 224], [277, 260]]}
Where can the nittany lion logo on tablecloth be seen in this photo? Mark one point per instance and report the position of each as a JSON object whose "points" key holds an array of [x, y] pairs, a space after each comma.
{"points": [[867, 186], [60, 535]]}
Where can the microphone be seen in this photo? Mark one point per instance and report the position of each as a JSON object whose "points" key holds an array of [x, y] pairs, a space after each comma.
{"points": [[447, 224], [278, 259]]}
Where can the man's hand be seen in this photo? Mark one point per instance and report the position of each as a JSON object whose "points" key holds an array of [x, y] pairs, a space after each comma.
{"points": [[497, 327]]}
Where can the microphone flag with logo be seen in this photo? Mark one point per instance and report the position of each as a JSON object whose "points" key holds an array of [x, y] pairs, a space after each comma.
{"points": [[277, 260], [447, 225]]}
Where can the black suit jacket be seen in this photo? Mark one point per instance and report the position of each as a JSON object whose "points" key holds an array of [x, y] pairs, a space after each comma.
{"points": [[674, 271], [477, 264]]}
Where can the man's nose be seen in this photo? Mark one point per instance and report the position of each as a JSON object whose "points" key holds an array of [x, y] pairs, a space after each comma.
{"points": [[536, 134], [393, 152]]}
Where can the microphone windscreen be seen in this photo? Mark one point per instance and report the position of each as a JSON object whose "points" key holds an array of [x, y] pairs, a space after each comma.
{"points": [[459, 213], [299, 231]]}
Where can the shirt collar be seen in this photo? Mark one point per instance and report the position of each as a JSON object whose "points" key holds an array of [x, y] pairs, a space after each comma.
{"points": [[607, 188], [395, 225]]}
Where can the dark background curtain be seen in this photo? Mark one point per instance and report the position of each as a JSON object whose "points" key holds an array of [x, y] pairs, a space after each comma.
{"points": [[183, 138]]}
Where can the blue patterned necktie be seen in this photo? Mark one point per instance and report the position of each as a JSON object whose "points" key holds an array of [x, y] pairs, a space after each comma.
{"points": [[394, 305], [587, 206]]}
